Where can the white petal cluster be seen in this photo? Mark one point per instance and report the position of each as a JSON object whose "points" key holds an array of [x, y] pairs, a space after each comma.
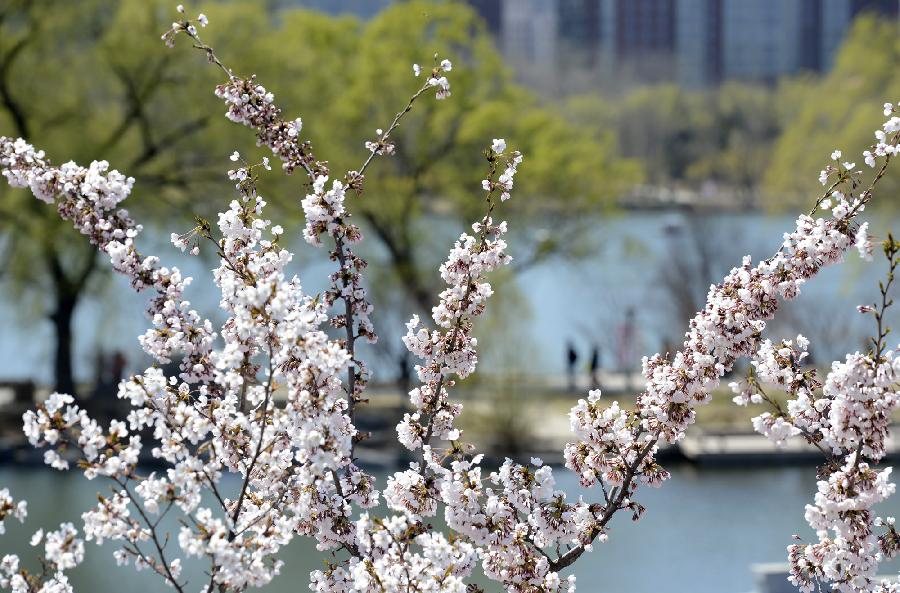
{"points": [[220, 417], [251, 105], [62, 548], [437, 79], [848, 553], [617, 448], [89, 198], [883, 146], [849, 421], [11, 508], [450, 350], [400, 555]]}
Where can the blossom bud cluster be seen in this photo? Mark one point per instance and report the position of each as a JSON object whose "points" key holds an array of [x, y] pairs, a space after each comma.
{"points": [[437, 79], [186, 26], [250, 104], [382, 145]]}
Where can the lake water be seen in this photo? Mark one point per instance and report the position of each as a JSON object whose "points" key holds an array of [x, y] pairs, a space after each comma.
{"points": [[702, 532], [556, 301]]}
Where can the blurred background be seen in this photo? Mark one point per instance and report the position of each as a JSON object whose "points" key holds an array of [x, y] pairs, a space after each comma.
{"points": [[663, 140]]}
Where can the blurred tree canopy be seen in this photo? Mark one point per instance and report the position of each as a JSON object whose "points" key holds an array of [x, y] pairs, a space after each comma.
{"points": [[71, 85], [773, 140], [92, 80], [840, 110], [688, 137]]}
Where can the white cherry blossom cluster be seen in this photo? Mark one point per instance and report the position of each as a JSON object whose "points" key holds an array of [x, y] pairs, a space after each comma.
{"points": [[848, 420], [450, 350], [437, 79], [250, 104], [847, 554], [58, 422], [504, 182], [616, 449], [220, 418], [11, 508], [883, 145], [89, 198], [853, 416], [517, 517], [63, 550]]}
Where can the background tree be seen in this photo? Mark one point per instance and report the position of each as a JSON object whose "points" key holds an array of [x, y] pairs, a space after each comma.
{"points": [[687, 137], [142, 106], [118, 110], [825, 113]]}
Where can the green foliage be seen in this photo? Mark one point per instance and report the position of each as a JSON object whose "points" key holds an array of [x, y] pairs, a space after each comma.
{"points": [[839, 111], [438, 165], [685, 137]]}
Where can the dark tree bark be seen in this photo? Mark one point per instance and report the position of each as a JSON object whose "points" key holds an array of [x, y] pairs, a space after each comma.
{"points": [[62, 316], [68, 286]]}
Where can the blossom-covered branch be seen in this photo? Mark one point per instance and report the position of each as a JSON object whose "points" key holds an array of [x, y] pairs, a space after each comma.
{"points": [[848, 421], [250, 104]]}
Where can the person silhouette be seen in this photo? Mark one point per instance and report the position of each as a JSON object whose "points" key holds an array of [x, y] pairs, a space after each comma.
{"points": [[571, 359], [595, 367]]}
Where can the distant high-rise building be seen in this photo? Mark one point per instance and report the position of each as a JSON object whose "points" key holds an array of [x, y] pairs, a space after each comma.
{"points": [[698, 42], [884, 7], [638, 37], [364, 9], [491, 11], [529, 39], [579, 31], [809, 35], [755, 46], [561, 45], [837, 17], [763, 40]]}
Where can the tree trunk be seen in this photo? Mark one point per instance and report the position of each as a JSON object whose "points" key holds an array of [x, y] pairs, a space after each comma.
{"points": [[67, 291], [61, 317]]}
